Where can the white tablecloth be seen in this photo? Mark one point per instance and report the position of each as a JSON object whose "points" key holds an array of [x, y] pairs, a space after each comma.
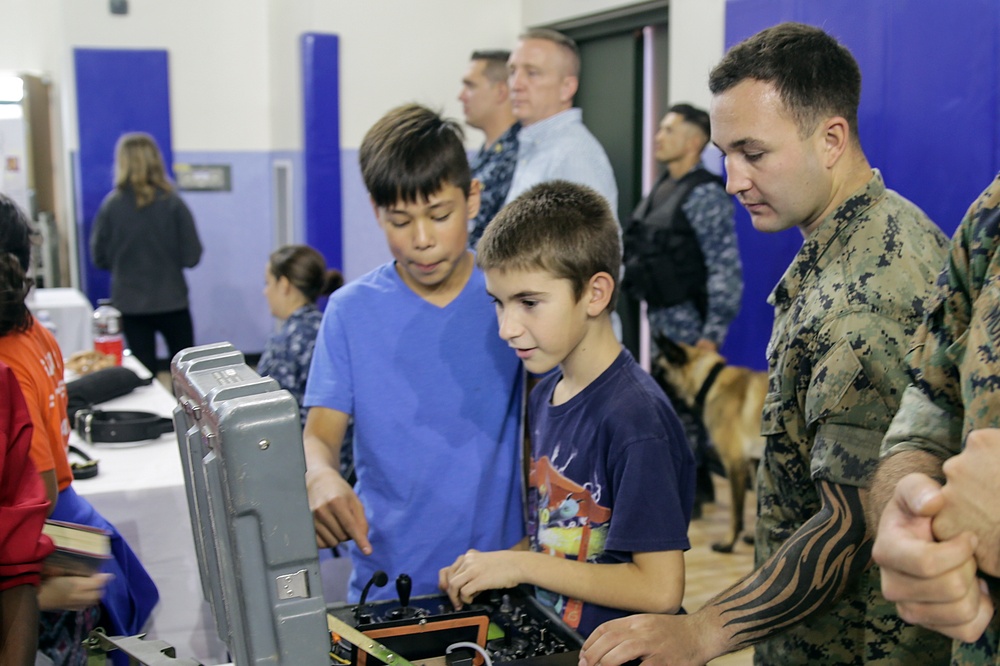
{"points": [[72, 314], [140, 488]]}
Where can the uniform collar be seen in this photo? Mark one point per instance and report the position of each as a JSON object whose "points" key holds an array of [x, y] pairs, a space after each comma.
{"points": [[509, 135], [823, 245]]}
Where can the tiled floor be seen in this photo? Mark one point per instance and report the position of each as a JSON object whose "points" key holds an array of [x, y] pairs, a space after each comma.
{"points": [[708, 572]]}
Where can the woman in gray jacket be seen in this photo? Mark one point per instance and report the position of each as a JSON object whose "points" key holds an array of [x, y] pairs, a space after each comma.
{"points": [[145, 235]]}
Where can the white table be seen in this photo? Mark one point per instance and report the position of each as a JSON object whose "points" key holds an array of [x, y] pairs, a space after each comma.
{"points": [[72, 314], [140, 489]]}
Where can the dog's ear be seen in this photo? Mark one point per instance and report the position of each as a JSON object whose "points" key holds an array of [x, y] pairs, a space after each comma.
{"points": [[672, 352]]}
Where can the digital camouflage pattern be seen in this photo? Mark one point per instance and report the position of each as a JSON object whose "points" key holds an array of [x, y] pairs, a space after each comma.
{"points": [[956, 364], [493, 166], [845, 312], [288, 353]]}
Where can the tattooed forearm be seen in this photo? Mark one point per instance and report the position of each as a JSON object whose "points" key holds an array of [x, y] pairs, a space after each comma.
{"points": [[810, 571]]}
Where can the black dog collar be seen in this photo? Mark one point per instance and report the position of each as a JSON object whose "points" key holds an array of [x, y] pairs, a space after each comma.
{"points": [[100, 426], [713, 374]]}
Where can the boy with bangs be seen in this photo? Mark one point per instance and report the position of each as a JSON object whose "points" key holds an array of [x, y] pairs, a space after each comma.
{"points": [[410, 351], [611, 482]]}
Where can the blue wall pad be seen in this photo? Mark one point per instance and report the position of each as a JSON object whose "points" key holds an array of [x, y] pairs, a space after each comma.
{"points": [[321, 145], [117, 91], [929, 119]]}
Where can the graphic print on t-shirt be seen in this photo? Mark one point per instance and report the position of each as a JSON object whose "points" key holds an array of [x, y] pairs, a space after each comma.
{"points": [[569, 521]]}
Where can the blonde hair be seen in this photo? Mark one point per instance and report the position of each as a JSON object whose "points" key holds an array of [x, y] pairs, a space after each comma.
{"points": [[139, 166]]}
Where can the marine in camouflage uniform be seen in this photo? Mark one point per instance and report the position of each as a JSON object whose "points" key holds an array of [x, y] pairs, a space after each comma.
{"points": [[845, 311], [784, 114], [956, 363]]}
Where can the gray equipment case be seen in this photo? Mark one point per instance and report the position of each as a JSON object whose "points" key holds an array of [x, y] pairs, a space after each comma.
{"points": [[241, 446]]}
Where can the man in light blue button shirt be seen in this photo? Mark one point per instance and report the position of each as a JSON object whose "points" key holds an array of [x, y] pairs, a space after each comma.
{"points": [[554, 144]]}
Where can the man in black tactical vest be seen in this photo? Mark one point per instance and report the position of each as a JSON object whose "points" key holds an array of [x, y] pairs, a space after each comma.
{"points": [[681, 255]]}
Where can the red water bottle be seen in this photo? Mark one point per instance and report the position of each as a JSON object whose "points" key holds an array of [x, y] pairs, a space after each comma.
{"points": [[108, 338]]}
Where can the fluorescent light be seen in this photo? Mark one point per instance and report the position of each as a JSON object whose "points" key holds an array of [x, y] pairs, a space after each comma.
{"points": [[11, 89]]}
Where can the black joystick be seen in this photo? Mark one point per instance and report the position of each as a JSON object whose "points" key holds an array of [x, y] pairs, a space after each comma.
{"points": [[404, 585], [378, 579]]}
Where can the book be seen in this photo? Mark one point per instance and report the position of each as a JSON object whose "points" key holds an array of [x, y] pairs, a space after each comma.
{"points": [[81, 550]]}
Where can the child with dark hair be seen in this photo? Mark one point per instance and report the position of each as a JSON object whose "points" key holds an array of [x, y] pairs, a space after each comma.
{"points": [[295, 277], [126, 592], [409, 351], [611, 481]]}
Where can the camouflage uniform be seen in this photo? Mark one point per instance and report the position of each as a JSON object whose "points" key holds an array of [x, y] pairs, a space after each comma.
{"points": [[845, 311], [493, 166], [956, 364]]}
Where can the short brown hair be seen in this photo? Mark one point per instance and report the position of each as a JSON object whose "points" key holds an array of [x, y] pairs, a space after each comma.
{"points": [[564, 228], [494, 64], [568, 46], [815, 75], [692, 115], [411, 153]]}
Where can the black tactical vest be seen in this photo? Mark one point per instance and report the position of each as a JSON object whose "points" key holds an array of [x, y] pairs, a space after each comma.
{"points": [[664, 264]]}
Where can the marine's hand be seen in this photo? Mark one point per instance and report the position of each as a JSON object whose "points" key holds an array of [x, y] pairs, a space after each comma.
{"points": [[338, 514], [476, 571], [933, 584], [71, 592], [970, 497], [652, 639]]}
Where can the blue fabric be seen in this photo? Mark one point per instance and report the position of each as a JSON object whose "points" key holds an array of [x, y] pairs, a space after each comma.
{"points": [[560, 147], [493, 166], [610, 467], [117, 91], [436, 400], [321, 154], [131, 595], [289, 351]]}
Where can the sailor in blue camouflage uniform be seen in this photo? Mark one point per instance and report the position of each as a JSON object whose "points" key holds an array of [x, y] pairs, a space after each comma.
{"points": [[493, 166], [681, 257], [784, 113], [710, 210], [295, 277], [681, 253], [955, 365], [485, 101], [289, 351]]}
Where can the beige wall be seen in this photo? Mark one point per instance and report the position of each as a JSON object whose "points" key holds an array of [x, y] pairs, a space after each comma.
{"points": [[234, 64], [697, 43]]}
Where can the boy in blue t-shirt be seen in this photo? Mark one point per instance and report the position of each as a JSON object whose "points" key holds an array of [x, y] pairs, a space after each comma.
{"points": [[410, 351], [611, 482]]}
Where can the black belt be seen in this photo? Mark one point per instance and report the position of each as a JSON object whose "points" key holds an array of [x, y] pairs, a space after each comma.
{"points": [[100, 426]]}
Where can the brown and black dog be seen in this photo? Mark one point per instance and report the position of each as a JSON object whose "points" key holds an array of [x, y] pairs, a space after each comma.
{"points": [[730, 400]]}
